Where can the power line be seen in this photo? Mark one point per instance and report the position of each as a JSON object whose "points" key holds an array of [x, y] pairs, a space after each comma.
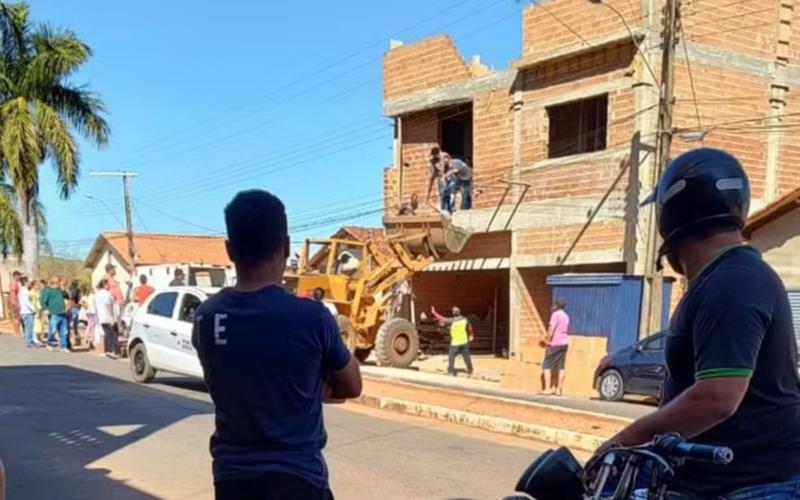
{"points": [[338, 62], [178, 219], [691, 77]]}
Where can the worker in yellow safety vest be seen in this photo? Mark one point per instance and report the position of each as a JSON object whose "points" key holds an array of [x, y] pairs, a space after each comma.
{"points": [[461, 334]]}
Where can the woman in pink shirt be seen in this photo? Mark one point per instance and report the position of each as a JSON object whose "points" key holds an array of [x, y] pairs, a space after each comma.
{"points": [[555, 355]]}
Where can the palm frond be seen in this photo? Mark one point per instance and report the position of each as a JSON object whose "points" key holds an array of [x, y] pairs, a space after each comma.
{"points": [[59, 146], [56, 55], [10, 227], [83, 108], [19, 143], [14, 31]]}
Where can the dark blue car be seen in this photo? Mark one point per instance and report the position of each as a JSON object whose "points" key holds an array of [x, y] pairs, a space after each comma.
{"points": [[638, 369]]}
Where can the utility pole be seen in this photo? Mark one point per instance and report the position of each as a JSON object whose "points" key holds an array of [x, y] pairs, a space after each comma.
{"points": [[127, 203], [652, 293]]}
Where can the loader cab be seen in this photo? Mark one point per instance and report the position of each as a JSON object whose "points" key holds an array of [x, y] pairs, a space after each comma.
{"points": [[333, 265]]}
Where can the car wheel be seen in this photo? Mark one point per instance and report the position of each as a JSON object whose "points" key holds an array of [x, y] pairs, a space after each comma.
{"points": [[611, 386], [143, 372]]}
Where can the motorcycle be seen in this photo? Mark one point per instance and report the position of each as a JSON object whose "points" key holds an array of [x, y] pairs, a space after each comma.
{"points": [[624, 473]]}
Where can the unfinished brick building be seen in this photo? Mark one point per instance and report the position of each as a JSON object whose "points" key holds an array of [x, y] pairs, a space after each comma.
{"points": [[563, 122]]}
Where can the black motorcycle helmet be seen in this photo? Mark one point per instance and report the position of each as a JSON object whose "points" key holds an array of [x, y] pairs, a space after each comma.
{"points": [[700, 188]]}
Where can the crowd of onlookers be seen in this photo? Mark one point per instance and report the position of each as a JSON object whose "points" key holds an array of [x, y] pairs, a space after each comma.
{"points": [[51, 314]]}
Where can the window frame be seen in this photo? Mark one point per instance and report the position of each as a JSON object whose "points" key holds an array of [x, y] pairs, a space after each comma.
{"points": [[185, 296], [647, 343], [598, 140], [151, 304]]}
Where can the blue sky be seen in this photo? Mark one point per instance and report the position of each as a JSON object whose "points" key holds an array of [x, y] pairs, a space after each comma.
{"points": [[208, 98]]}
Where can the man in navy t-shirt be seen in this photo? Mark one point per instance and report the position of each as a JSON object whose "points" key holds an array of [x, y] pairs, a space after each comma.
{"points": [[269, 360]]}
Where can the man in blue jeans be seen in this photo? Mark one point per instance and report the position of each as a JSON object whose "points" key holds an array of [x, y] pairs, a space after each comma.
{"points": [[27, 312], [53, 300], [269, 360], [731, 354]]}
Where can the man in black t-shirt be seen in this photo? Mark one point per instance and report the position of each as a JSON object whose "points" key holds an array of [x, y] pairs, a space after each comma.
{"points": [[731, 355]]}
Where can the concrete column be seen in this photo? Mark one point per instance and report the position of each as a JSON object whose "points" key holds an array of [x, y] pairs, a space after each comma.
{"points": [[646, 105], [515, 293], [777, 100]]}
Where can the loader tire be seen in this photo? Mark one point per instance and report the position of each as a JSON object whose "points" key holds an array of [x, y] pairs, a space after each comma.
{"points": [[396, 343]]}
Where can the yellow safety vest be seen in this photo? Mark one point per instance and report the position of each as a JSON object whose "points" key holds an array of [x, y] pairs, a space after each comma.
{"points": [[458, 331]]}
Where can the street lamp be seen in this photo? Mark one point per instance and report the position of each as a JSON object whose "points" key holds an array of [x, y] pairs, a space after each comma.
{"points": [[693, 135], [105, 205], [630, 31]]}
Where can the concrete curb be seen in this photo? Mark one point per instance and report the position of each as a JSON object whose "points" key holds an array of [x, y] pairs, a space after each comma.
{"points": [[561, 437], [497, 397]]}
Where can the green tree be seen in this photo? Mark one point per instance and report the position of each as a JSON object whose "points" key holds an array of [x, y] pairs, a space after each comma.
{"points": [[40, 110], [11, 224]]}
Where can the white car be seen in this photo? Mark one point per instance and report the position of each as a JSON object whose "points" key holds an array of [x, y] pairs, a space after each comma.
{"points": [[161, 333]]}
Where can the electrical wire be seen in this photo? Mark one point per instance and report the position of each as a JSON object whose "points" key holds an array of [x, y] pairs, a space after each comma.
{"points": [[178, 219], [338, 62], [691, 77], [148, 234]]}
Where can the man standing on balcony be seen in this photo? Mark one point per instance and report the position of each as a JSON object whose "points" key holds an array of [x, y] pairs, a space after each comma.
{"points": [[459, 176], [437, 171]]}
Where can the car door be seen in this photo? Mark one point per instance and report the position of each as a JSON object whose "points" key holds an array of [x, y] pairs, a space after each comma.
{"points": [[647, 367], [157, 324], [187, 356]]}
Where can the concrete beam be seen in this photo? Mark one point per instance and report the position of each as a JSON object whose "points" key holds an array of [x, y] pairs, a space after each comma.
{"points": [[577, 48], [614, 155], [715, 56], [549, 259], [449, 94], [582, 93], [543, 213]]}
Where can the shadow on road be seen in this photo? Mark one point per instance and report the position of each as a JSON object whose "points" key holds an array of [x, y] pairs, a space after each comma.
{"points": [[57, 420], [188, 383]]}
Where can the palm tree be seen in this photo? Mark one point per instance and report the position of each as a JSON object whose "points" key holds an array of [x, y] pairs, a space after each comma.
{"points": [[39, 111], [10, 223]]}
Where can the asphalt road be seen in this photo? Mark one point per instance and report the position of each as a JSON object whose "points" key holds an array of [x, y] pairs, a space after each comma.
{"points": [[73, 426]]}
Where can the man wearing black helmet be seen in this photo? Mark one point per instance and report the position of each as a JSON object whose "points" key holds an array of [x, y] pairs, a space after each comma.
{"points": [[731, 354]]}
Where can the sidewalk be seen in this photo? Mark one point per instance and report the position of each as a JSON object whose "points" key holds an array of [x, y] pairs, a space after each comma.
{"points": [[623, 409], [580, 424]]}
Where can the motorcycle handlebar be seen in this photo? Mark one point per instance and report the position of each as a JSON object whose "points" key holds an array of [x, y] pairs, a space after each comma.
{"points": [[674, 445]]}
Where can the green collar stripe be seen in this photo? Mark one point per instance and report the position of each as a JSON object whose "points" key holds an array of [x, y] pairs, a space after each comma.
{"points": [[723, 372], [714, 258]]}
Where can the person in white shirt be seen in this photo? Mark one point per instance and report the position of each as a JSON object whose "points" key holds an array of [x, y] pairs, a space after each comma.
{"points": [[319, 296], [105, 308], [27, 312]]}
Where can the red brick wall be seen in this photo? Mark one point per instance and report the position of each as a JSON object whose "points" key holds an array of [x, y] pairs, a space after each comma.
{"points": [[749, 27], [534, 304], [420, 134], [474, 293], [723, 97], [579, 177], [575, 74], [485, 245], [421, 65], [556, 239], [493, 138], [542, 31], [390, 190]]}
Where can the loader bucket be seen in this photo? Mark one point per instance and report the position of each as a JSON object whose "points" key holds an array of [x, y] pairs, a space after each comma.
{"points": [[443, 237]]}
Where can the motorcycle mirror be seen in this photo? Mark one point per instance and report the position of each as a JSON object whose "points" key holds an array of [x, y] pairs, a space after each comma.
{"points": [[554, 475]]}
